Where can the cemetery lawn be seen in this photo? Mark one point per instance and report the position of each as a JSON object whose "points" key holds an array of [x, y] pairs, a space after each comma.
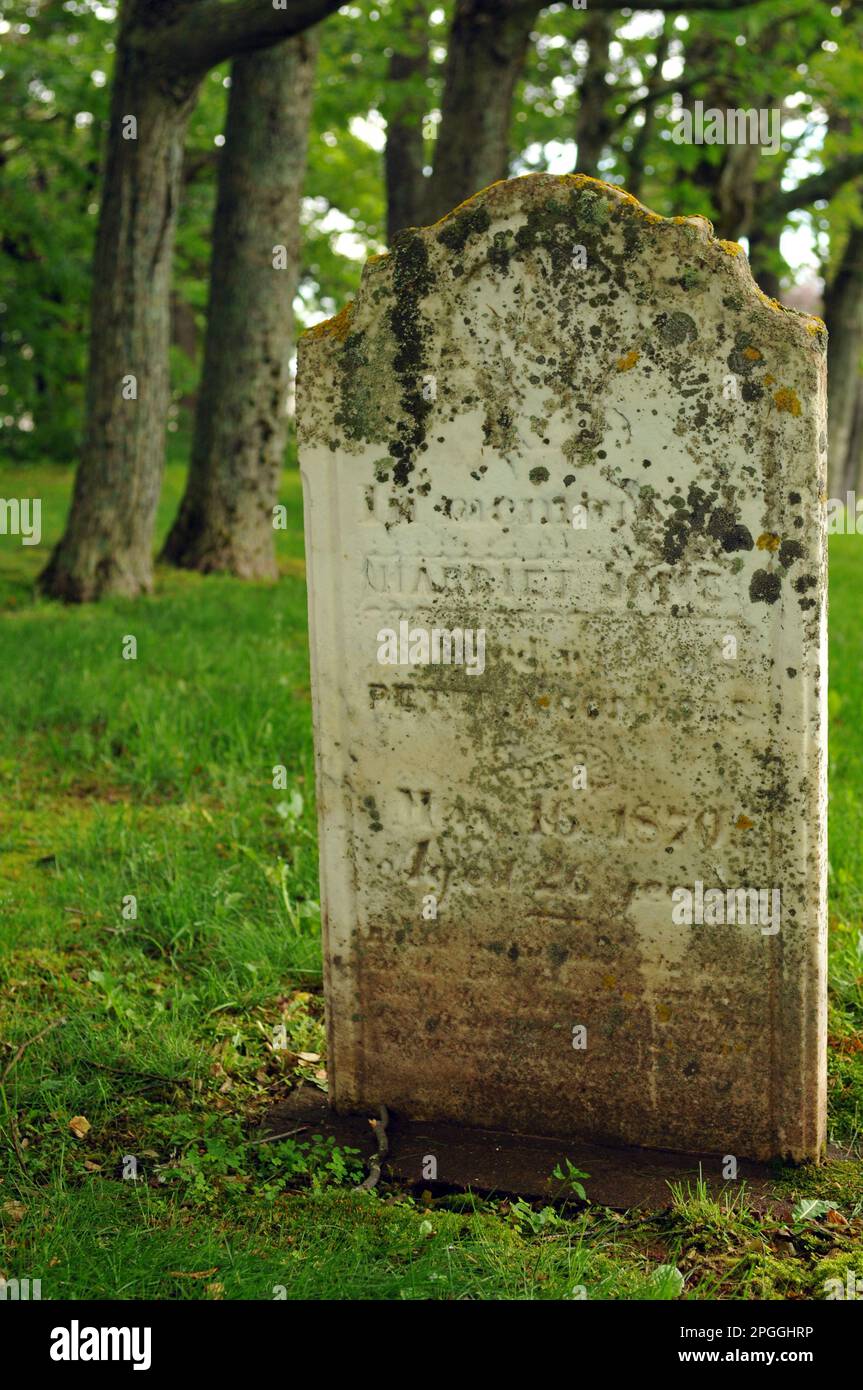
{"points": [[153, 778]]}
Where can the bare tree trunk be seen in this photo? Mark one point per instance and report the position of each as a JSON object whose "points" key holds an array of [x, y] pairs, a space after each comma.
{"points": [[736, 189], [107, 544], [593, 127], [843, 311], [637, 158], [405, 107], [225, 521], [764, 254], [162, 53], [487, 46]]}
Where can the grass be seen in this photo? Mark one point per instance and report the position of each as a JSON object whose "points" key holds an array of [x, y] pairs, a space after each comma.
{"points": [[158, 1032]]}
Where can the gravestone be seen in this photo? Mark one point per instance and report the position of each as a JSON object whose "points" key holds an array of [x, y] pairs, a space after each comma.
{"points": [[564, 469]]}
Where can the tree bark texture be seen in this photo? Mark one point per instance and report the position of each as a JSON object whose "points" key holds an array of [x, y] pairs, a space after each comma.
{"points": [[405, 108], [225, 521], [163, 51]]}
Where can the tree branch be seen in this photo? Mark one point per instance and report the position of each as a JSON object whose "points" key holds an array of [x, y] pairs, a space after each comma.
{"points": [[211, 31], [655, 94], [822, 185]]}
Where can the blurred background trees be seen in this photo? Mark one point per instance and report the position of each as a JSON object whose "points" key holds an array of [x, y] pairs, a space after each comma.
{"points": [[278, 147]]}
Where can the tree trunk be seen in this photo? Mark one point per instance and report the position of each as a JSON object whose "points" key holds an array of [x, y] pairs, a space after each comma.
{"points": [[736, 188], [843, 311], [163, 51], [405, 107], [593, 127], [225, 521], [765, 256], [108, 539], [486, 51], [637, 157]]}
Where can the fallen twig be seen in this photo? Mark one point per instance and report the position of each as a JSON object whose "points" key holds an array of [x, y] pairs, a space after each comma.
{"points": [[271, 1138], [383, 1143], [58, 1023]]}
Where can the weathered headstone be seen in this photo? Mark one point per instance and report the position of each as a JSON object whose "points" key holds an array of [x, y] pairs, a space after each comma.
{"points": [[563, 465]]}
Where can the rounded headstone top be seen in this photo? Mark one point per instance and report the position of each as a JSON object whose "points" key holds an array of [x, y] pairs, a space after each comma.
{"points": [[532, 301]]}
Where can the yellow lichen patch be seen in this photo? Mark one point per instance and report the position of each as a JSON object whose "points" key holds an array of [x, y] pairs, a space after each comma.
{"points": [[337, 327], [752, 354], [768, 540], [769, 380], [743, 823], [771, 303], [609, 981], [816, 325], [731, 248], [629, 359], [543, 701], [787, 400]]}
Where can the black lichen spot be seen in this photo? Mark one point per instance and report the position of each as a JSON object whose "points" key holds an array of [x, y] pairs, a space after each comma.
{"points": [[806, 581], [791, 671], [538, 475], [557, 226], [699, 506], [674, 541], [412, 281], [737, 538], [676, 328], [472, 222], [725, 528], [498, 254], [764, 587], [789, 551]]}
